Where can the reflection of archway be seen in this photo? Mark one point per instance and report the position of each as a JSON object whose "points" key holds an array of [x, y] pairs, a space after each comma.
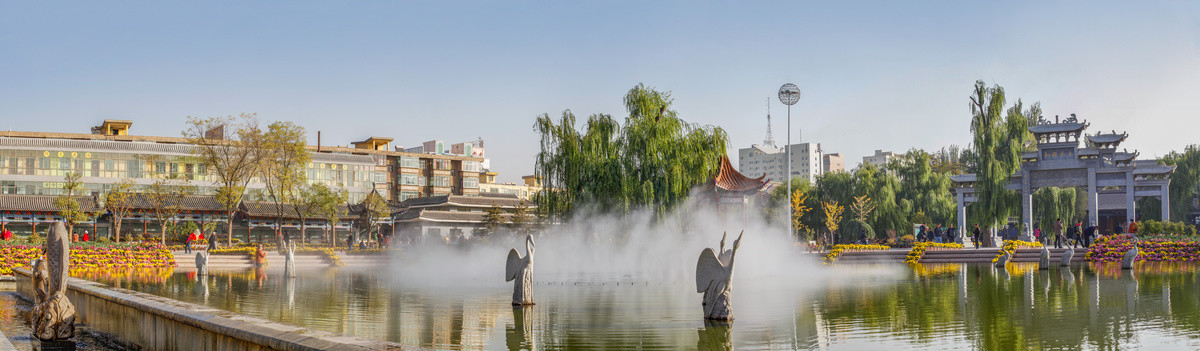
{"points": [[1112, 180]]}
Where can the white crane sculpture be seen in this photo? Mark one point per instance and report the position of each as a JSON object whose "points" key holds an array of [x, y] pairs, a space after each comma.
{"points": [[1004, 257], [521, 269], [1130, 256], [714, 278], [1045, 259], [1067, 255]]}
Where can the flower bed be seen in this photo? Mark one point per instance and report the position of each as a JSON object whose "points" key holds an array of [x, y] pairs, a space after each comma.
{"points": [[328, 253], [837, 250], [918, 250], [1012, 245], [92, 256], [1112, 248]]}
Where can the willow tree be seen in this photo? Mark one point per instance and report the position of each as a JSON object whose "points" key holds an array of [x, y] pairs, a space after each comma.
{"points": [[1185, 181], [924, 188], [1051, 204], [652, 161], [999, 138]]}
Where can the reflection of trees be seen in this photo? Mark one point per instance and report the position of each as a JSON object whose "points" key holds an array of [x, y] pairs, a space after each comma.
{"points": [[1020, 308]]}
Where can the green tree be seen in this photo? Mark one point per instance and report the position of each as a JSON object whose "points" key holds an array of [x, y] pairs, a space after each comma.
{"points": [[328, 206], [519, 221], [374, 208], [654, 160], [999, 139], [858, 228], [1051, 204], [227, 146], [882, 189], [1185, 182], [923, 187], [283, 160], [69, 208], [119, 202], [492, 219], [166, 198]]}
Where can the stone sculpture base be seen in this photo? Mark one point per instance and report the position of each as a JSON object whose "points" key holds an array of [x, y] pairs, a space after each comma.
{"points": [[55, 319], [47, 345]]}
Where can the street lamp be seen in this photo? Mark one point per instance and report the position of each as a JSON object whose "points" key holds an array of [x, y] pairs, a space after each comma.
{"points": [[789, 94]]}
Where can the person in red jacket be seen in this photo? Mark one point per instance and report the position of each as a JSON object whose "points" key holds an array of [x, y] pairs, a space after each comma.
{"points": [[85, 236]]}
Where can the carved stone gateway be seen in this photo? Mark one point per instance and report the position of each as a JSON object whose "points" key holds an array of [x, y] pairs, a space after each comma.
{"points": [[714, 278], [520, 269], [54, 315]]}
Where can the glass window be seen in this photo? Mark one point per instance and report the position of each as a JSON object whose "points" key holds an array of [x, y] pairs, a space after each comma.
{"points": [[470, 182], [405, 195], [421, 181], [409, 162], [441, 181], [408, 179], [134, 168]]}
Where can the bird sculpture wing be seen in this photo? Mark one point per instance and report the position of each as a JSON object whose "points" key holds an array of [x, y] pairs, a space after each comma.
{"points": [[514, 266], [708, 270]]}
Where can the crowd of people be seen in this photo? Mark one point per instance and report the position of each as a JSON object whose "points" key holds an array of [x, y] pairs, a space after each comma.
{"points": [[1077, 235], [937, 234]]}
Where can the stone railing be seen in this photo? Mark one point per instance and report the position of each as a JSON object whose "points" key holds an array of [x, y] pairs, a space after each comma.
{"points": [[149, 322]]}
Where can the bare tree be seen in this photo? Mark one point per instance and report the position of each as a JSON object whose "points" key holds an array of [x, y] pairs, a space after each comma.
{"points": [[228, 147]]}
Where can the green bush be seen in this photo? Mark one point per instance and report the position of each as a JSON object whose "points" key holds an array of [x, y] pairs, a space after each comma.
{"points": [[1151, 228], [856, 229], [905, 241]]}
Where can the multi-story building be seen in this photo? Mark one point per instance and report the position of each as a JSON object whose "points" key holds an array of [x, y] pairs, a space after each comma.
{"points": [[36, 163], [834, 163], [879, 159], [530, 186], [757, 159]]}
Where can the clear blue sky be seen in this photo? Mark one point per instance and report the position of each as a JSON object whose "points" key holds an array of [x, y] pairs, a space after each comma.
{"points": [[875, 75]]}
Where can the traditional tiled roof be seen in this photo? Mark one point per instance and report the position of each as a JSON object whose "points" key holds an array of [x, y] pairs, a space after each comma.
{"points": [[1159, 169], [268, 209], [481, 201], [41, 203], [1125, 156], [1107, 138], [1057, 128], [729, 179], [144, 201], [427, 215], [964, 178]]}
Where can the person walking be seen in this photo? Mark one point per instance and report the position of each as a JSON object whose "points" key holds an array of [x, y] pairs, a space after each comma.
{"points": [[1037, 235], [1118, 229], [187, 243], [975, 237], [939, 234], [952, 234], [1058, 234], [1079, 235]]}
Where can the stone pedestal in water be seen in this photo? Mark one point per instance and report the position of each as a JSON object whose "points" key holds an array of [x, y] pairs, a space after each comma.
{"points": [[54, 315], [714, 278], [520, 269]]}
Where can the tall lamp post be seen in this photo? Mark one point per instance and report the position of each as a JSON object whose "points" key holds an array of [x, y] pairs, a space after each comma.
{"points": [[789, 94]]}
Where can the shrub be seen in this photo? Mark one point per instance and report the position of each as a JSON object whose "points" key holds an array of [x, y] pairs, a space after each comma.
{"points": [[906, 241], [1151, 227], [858, 229]]}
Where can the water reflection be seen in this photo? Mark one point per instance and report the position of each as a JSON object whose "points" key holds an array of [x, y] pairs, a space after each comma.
{"points": [[944, 306], [519, 335]]}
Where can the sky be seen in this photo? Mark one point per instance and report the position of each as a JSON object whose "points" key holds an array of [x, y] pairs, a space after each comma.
{"points": [[874, 75]]}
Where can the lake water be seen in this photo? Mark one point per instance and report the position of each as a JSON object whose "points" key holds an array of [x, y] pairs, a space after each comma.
{"points": [[851, 307]]}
